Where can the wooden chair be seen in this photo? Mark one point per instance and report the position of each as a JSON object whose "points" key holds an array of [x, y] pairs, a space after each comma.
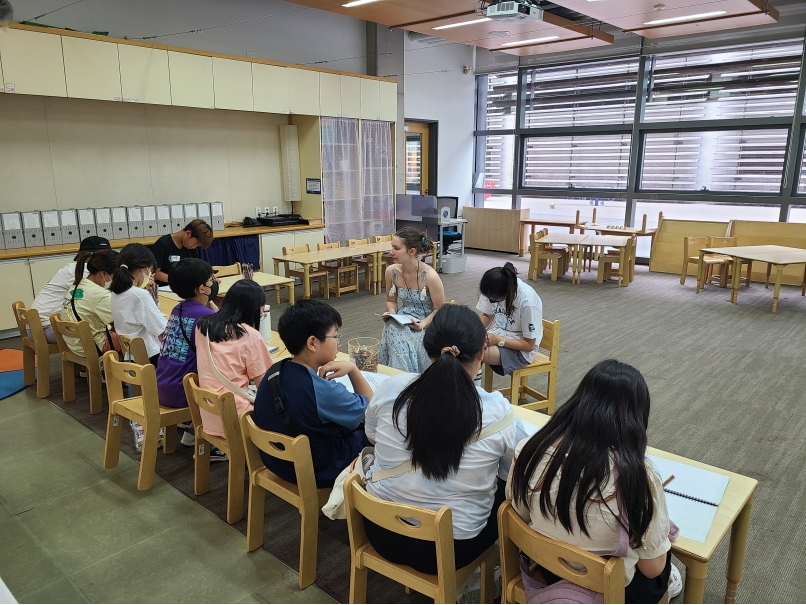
{"points": [[610, 259], [144, 410], [135, 350], [435, 526], [71, 362], [319, 274], [227, 270], [346, 275], [362, 261], [222, 405], [304, 494], [691, 255], [541, 364], [36, 350], [729, 242], [603, 575], [542, 254], [385, 258]]}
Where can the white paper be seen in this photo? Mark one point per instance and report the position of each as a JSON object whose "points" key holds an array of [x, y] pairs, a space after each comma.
{"points": [[68, 218], [403, 320], [693, 518], [118, 215], [103, 216], [164, 213], [149, 213], [11, 222], [135, 214], [31, 220], [165, 289], [50, 219], [373, 378]]}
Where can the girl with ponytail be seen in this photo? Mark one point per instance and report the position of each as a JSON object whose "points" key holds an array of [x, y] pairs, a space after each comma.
{"points": [[517, 311], [439, 440], [413, 290], [89, 297]]}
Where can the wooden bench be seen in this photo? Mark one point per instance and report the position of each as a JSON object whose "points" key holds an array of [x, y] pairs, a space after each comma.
{"points": [[667, 245]]}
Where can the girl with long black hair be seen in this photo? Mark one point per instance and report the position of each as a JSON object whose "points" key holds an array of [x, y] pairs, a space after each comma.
{"points": [[439, 440], [568, 478]]}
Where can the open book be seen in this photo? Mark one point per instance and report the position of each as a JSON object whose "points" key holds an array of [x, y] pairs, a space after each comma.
{"points": [[374, 379], [692, 497], [403, 320]]}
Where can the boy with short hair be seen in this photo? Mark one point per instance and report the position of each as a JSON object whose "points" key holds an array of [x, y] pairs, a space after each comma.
{"points": [[170, 249], [317, 406]]}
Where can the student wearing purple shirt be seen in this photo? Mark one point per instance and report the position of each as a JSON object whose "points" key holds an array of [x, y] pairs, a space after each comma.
{"points": [[191, 279]]}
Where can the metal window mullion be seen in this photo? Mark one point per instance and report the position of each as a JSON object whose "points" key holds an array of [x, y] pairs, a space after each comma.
{"points": [[636, 142], [517, 161], [794, 152]]}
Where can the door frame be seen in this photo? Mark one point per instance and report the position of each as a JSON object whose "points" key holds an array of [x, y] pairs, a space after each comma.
{"points": [[433, 147]]}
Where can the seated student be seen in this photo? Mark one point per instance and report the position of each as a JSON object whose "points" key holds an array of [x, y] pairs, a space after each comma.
{"points": [[236, 347], [50, 298], [317, 406], [170, 249], [518, 314], [439, 422], [192, 279], [89, 298], [133, 307], [593, 447]]}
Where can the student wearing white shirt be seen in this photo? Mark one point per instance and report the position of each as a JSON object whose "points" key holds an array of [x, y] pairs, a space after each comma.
{"points": [[458, 438], [517, 311], [133, 307], [50, 298]]}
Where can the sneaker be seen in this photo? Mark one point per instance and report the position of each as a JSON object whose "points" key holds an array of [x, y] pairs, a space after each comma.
{"points": [[216, 455], [188, 439], [675, 582], [185, 426]]}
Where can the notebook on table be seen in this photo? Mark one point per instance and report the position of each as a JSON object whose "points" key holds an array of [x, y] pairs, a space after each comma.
{"points": [[692, 497], [373, 378]]}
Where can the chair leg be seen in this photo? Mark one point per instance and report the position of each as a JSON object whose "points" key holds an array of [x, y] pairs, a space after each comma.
{"points": [[254, 519], [488, 378], [169, 441], [235, 490], [749, 271], [68, 380], [683, 273], [487, 592], [551, 391], [114, 426], [358, 584], [201, 466], [515, 389], [309, 530], [148, 456], [29, 363], [277, 291], [43, 371], [96, 390]]}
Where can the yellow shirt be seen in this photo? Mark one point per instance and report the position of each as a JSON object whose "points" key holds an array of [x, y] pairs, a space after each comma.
{"points": [[93, 303]]}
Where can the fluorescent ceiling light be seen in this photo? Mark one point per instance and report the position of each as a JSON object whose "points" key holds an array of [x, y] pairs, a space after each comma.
{"points": [[688, 18], [358, 3], [535, 41], [463, 23]]}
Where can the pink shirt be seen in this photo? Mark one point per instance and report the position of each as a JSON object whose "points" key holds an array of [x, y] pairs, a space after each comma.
{"points": [[239, 360]]}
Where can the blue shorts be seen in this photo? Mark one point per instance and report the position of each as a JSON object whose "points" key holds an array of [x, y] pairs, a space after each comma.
{"points": [[511, 360]]}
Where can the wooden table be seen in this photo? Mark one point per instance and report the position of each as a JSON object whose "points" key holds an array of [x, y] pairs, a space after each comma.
{"points": [[533, 222], [308, 259], [777, 256], [573, 241], [732, 515]]}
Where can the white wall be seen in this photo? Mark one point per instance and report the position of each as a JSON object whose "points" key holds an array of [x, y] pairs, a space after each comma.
{"points": [[60, 153], [447, 97]]}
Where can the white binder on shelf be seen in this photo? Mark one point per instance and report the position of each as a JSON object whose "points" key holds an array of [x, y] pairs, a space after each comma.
{"points": [[32, 229], [135, 220], [150, 221], [51, 228], [164, 225], [103, 223], [12, 230], [120, 227], [70, 231], [217, 212], [190, 213], [204, 212], [86, 223], [2, 241], [177, 217]]}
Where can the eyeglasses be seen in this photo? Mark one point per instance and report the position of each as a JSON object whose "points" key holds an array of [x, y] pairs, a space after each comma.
{"points": [[337, 337]]}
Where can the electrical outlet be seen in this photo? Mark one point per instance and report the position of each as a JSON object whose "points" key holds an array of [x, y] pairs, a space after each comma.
{"points": [[267, 210], [257, 211], [274, 209]]}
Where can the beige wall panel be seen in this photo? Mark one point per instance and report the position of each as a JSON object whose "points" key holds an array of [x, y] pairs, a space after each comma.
{"points": [[388, 101], [270, 88], [232, 83], [370, 99], [187, 150], [19, 274], [271, 246], [191, 80], [99, 152], [350, 97], [32, 62], [303, 91], [26, 172], [91, 69], [44, 268], [312, 238], [330, 95], [144, 74], [253, 149]]}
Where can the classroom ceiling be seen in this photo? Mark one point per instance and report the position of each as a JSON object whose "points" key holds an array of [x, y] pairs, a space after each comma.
{"points": [[566, 24]]}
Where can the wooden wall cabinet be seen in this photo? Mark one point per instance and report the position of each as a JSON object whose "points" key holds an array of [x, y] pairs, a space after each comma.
{"points": [[370, 99], [388, 101], [350, 97], [232, 82], [191, 80], [330, 95], [91, 69], [269, 88], [32, 63], [144, 75], [303, 91]]}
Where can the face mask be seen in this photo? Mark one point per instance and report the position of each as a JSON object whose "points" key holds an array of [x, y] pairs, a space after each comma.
{"points": [[107, 284], [144, 285], [213, 290]]}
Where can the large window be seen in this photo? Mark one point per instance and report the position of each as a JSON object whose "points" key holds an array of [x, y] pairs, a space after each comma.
{"points": [[501, 95], [577, 162]]}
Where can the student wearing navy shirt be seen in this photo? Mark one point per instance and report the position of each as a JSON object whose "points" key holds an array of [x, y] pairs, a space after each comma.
{"points": [[317, 406]]}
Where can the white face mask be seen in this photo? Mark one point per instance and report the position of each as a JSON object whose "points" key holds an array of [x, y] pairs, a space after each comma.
{"points": [[107, 284]]}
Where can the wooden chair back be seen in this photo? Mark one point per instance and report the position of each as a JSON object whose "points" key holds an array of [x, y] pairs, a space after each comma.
{"points": [[296, 249], [36, 349], [25, 318], [692, 246], [357, 242], [551, 338], [220, 404], [119, 372], [227, 270], [135, 348], [722, 242], [330, 246], [605, 576], [643, 225], [381, 238], [79, 330]]}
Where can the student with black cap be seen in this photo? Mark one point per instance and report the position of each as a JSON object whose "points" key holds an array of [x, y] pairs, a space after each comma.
{"points": [[51, 297]]}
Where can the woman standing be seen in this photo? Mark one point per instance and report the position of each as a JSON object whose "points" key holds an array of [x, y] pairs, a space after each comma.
{"points": [[414, 290]]}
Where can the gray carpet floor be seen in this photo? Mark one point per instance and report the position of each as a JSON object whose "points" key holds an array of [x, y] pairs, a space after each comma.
{"points": [[726, 381]]}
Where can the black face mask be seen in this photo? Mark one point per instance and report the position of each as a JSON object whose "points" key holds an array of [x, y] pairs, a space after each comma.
{"points": [[213, 290]]}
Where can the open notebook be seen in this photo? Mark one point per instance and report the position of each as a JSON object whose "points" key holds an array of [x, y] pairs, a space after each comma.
{"points": [[374, 379], [692, 497]]}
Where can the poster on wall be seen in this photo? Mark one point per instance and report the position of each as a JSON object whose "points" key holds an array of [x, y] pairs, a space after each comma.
{"points": [[313, 186]]}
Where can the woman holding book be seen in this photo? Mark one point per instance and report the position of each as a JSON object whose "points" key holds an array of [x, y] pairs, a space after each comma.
{"points": [[413, 291], [584, 479]]}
